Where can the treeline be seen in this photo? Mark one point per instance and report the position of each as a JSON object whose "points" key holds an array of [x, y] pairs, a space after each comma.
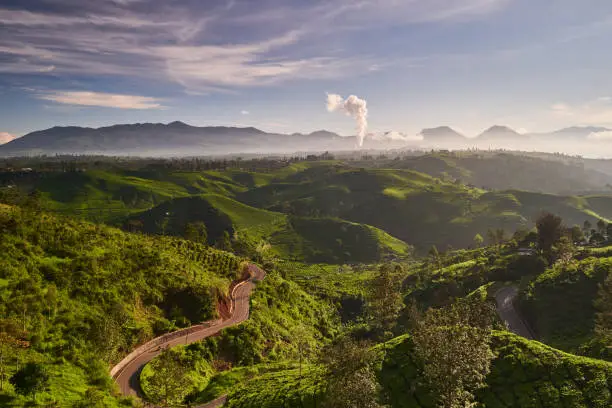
{"points": [[75, 163]]}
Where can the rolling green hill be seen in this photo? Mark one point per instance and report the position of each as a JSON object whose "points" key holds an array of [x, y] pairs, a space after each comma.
{"points": [[78, 296], [524, 374], [560, 305], [419, 209], [300, 238], [508, 171]]}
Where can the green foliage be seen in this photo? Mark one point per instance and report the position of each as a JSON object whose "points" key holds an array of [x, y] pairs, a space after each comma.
{"points": [[385, 298], [165, 379], [311, 239], [31, 379], [350, 377], [559, 304], [523, 374], [550, 230], [603, 322], [285, 324], [85, 294], [453, 346]]}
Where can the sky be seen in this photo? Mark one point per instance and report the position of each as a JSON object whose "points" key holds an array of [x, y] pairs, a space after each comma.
{"points": [[534, 65]]}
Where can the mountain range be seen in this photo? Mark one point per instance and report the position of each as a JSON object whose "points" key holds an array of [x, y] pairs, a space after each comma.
{"points": [[178, 138]]}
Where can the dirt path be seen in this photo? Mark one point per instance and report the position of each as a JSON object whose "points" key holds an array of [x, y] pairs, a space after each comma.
{"points": [[126, 374], [507, 312]]}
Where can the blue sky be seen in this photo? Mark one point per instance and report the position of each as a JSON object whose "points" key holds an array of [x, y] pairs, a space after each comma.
{"points": [[534, 65]]}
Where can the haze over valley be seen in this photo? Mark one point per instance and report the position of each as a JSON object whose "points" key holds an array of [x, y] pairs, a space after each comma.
{"points": [[314, 204]]}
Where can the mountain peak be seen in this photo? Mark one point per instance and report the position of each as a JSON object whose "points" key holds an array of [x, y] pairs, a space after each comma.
{"points": [[499, 131], [441, 132], [581, 130], [178, 124]]}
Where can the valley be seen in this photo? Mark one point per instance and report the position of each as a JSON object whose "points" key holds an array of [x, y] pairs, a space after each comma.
{"points": [[324, 231]]}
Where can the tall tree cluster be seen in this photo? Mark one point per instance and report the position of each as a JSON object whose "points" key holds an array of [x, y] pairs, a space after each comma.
{"points": [[350, 376], [453, 344], [385, 298]]}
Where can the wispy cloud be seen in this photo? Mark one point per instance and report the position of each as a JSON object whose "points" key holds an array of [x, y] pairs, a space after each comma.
{"points": [[597, 112], [244, 112], [218, 45], [606, 135], [107, 100], [6, 137]]}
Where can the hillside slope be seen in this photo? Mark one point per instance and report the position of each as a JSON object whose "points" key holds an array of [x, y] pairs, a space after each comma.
{"points": [[415, 207], [83, 295], [508, 171], [300, 238], [524, 374]]}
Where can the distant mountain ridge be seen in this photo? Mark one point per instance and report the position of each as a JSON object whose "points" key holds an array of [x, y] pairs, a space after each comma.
{"points": [[173, 138], [444, 133], [181, 139], [499, 132]]}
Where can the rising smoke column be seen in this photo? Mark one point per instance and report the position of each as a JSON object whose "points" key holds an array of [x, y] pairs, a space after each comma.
{"points": [[354, 107]]}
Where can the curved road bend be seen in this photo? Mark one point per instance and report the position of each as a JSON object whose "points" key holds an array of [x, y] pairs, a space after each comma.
{"points": [[505, 308], [128, 377]]}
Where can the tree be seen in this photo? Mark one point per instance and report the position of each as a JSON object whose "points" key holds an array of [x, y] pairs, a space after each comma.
{"points": [[586, 227], [224, 243], [601, 226], [564, 250], [550, 230], [454, 345], [196, 232], [93, 398], [609, 232], [603, 319], [596, 238], [500, 236], [434, 255], [169, 383], [162, 224], [11, 338], [576, 233], [300, 337], [351, 379], [385, 298], [30, 380], [478, 240]]}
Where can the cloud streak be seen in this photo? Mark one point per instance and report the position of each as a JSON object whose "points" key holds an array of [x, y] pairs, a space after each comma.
{"points": [[218, 45], [597, 112], [106, 100]]}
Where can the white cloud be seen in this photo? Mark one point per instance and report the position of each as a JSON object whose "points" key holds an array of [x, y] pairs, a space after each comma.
{"points": [[244, 112], [597, 112], [107, 100], [606, 135], [394, 135], [182, 44], [6, 137]]}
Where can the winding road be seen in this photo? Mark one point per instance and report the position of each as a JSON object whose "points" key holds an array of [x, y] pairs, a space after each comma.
{"points": [[507, 312], [127, 372]]}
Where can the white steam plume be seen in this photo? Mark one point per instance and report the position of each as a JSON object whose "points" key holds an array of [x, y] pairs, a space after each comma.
{"points": [[354, 107]]}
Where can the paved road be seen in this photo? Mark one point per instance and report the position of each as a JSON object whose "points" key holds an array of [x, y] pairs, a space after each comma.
{"points": [[128, 376], [505, 308]]}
